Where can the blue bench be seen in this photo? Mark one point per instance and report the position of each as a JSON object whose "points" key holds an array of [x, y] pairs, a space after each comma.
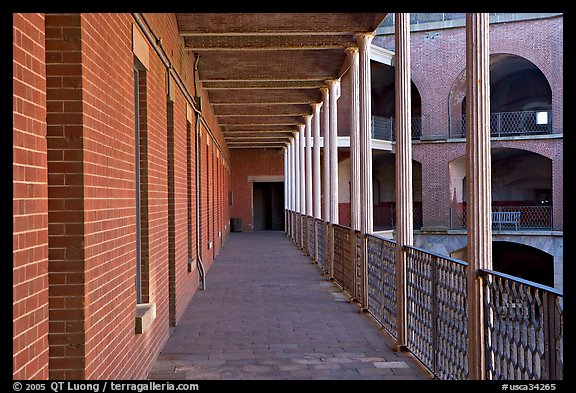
{"points": [[505, 218]]}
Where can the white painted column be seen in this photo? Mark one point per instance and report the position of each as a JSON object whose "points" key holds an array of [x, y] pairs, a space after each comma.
{"points": [[308, 173], [326, 150], [285, 150], [403, 129], [334, 93], [302, 162], [354, 70], [366, 197], [297, 173], [317, 191], [289, 177], [478, 177]]}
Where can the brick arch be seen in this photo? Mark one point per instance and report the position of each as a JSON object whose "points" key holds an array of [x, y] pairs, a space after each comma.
{"points": [[458, 88]]}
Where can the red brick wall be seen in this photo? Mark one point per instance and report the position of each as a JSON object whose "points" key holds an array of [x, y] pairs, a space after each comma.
{"points": [[251, 162], [435, 159], [436, 64], [66, 180], [437, 69], [74, 195], [30, 205]]}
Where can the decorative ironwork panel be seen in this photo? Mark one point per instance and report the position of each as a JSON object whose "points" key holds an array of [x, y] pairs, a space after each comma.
{"points": [[530, 217], [452, 319], [311, 237], [382, 282], [436, 312], [298, 228], [383, 128], [358, 273], [329, 254], [344, 258], [320, 229], [304, 240], [420, 313], [524, 329], [508, 124]]}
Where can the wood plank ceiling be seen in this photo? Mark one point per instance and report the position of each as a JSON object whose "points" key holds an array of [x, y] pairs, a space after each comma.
{"points": [[263, 70]]}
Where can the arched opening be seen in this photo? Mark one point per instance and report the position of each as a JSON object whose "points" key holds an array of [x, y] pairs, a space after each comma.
{"points": [[383, 104], [520, 98], [521, 182], [519, 260], [384, 184]]}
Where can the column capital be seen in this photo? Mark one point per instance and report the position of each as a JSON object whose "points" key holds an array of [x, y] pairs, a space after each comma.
{"points": [[351, 50], [316, 106], [307, 119], [334, 87], [324, 91], [332, 83], [301, 127], [364, 39]]}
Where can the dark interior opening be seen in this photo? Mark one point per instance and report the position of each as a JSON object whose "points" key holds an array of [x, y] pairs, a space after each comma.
{"points": [[268, 206]]}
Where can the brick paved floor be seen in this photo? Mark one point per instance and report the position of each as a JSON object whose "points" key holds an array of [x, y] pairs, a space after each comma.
{"points": [[267, 314]]}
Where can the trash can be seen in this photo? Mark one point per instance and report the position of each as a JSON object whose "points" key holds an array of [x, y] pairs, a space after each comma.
{"points": [[236, 225]]}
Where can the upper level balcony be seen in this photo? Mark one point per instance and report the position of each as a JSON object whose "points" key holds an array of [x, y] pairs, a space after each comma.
{"points": [[509, 124], [383, 128]]}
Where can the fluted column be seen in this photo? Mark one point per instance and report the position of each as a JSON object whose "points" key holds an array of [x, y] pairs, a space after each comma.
{"points": [[354, 70], [334, 93], [317, 191], [292, 186], [302, 178], [478, 177], [286, 189], [326, 149], [289, 178], [366, 197], [297, 173], [404, 203], [285, 151], [308, 173]]}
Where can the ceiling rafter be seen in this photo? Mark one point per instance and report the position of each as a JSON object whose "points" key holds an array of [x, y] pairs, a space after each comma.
{"points": [[261, 71]]}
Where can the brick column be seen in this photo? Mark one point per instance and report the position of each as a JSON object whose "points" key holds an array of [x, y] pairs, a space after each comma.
{"points": [[404, 221], [334, 92], [478, 176], [354, 69]]}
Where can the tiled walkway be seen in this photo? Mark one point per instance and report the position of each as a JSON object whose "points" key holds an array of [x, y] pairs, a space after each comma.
{"points": [[268, 313]]}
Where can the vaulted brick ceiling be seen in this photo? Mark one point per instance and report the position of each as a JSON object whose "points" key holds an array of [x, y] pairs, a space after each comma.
{"points": [[263, 70]]}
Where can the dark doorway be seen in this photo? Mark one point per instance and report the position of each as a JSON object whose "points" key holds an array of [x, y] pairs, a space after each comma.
{"points": [[268, 206]]}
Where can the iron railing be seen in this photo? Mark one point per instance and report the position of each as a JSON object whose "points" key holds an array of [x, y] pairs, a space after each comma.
{"points": [[523, 320], [385, 215], [311, 237], [508, 124], [531, 217], [320, 242], [382, 281], [383, 128], [344, 258], [523, 329], [436, 312]]}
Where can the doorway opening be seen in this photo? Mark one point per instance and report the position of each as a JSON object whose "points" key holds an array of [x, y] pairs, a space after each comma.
{"points": [[268, 206]]}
